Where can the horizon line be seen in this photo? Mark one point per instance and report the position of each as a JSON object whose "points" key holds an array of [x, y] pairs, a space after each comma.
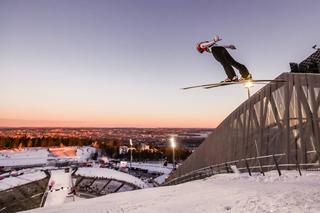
{"points": [[92, 127]]}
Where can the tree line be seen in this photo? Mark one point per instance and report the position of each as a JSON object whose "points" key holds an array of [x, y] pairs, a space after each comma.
{"points": [[21, 142], [108, 147]]}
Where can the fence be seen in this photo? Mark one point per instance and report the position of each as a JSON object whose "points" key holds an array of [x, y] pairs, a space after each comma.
{"points": [[226, 168]]}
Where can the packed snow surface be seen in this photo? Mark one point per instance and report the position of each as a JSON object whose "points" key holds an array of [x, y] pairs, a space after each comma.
{"points": [[220, 193], [11, 182], [40, 156], [161, 179], [84, 153], [61, 186], [23, 157], [112, 174]]}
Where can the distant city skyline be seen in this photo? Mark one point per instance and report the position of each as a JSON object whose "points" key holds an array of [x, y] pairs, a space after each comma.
{"points": [[115, 63]]}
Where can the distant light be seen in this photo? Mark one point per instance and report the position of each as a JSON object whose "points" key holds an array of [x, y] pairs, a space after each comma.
{"points": [[248, 84], [130, 142], [173, 144]]}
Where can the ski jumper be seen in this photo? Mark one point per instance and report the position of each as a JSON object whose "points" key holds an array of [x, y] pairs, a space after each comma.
{"points": [[221, 54]]}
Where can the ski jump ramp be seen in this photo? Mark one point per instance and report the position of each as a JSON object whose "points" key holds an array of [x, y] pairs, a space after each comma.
{"points": [[277, 125]]}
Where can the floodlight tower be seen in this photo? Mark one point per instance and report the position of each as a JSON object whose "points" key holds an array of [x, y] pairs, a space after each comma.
{"points": [[173, 145], [130, 153]]}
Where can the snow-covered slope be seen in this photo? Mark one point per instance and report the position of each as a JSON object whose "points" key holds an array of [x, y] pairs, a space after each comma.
{"points": [[23, 157], [220, 193], [61, 186], [39, 156], [11, 182], [84, 153]]}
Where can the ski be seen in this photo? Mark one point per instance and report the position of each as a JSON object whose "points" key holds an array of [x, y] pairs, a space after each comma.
{"points": [[213, 85]]}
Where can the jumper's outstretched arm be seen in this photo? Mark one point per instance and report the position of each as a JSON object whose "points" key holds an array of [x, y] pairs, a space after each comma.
{"points": [[210, 43]]}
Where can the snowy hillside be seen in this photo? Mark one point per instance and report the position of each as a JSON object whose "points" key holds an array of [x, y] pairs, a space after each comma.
{"points": [[11, 182], [61, 186], [39, 156], [220, 193], [84, 153], [23, 157]]}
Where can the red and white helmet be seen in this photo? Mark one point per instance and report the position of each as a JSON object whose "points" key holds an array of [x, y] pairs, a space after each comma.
{"points": [[199, 48]]}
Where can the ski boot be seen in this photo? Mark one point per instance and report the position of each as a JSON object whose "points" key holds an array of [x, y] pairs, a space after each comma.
{"points": [[247, 78], [234, 79]]}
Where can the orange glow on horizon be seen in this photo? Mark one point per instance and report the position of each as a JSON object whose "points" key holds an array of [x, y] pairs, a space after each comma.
{"points": [[187, 123], [79, 117]]}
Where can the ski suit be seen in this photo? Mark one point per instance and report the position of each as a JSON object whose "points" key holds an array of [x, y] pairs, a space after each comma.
{"points": [[222, 55]]}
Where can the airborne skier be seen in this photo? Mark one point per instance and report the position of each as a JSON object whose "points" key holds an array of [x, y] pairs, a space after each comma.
{"points": [[222, 55]]}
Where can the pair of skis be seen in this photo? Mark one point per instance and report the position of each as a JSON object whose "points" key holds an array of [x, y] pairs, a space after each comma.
{"points": [[244, 82]]}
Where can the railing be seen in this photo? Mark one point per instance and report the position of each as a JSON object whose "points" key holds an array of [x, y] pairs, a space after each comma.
{"points": [[226, 168]]}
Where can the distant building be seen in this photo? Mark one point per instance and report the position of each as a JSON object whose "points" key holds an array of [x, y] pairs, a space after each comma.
{"points": [[123, 150]]}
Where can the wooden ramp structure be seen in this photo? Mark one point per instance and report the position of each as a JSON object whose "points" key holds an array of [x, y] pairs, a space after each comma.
{"points": [[277, 127]]}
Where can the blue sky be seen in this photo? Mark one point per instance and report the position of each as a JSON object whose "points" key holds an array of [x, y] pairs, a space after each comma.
{"points": [[121, 63]]}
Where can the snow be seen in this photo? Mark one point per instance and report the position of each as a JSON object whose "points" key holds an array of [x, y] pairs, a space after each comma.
{"points": [[39, 156], [11, 182], [112, 174], [84, 153], [23, 157], [220, 193], [161, 179], [60, 189]]}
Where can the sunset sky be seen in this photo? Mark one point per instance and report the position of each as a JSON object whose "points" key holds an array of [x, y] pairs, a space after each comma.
{"points": [[117, 63]]}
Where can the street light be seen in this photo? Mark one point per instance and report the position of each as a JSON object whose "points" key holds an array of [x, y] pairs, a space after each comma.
{"points": [[130, 153], [173, 145]]}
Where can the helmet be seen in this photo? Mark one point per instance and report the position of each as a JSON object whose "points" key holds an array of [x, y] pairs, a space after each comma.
{"points": [[199, 48]]}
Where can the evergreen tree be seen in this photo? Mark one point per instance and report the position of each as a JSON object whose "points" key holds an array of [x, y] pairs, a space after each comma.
{"points": [[30, 143]]}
